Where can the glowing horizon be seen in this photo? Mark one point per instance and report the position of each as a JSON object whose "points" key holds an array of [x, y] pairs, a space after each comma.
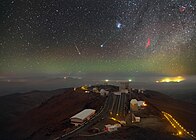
{"points": [[171, 79]]}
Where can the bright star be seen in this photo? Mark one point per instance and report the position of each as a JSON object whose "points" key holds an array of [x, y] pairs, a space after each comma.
{"points": [[118, 25]]}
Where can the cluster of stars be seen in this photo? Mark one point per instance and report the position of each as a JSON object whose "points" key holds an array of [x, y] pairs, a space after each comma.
{"points": [[58, 36]]}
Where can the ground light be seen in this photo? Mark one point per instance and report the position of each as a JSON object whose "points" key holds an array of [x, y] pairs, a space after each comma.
{"points": [[119, 121], [144, 104], [176, 125], [85, 87]]}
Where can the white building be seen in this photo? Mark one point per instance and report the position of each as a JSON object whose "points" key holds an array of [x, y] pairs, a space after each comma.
{"points": [[124, 86], [104, 92], [140, 103], [111, 128], [82, 116], [95, 90], [134, 105], [117, 93], [124, 91], [137, 119], [87, 91], [141, 90]]}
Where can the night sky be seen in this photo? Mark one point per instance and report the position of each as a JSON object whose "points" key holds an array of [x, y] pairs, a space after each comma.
{"points": [[97, 36]]}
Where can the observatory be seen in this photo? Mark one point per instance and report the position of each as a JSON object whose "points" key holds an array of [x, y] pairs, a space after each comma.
{"points": [[82, 116]]}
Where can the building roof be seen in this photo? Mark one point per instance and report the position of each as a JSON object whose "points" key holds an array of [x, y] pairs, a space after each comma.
{"points": [[83, 114], [102, 91], [133, 101], [117, 93], [140, 103]]}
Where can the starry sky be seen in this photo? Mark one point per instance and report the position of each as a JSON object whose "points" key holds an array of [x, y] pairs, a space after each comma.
{"points": [[97, 36]]}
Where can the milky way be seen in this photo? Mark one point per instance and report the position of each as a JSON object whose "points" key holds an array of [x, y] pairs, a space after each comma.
{"points": [[60, 36]]}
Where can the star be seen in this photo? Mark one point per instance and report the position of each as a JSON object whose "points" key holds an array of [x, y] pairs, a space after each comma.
{"points": [[118, 25]]}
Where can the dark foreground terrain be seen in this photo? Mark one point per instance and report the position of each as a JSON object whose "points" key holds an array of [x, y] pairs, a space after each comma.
{"points": [[50, 116], [13, 106], [131, 133], [184, 112], [45, 114]]}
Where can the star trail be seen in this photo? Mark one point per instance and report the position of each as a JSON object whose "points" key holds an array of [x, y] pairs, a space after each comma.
{"points": [[89, 36]]}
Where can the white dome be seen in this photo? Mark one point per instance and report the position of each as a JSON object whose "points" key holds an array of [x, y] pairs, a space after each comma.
{"points": [[133, 101]]}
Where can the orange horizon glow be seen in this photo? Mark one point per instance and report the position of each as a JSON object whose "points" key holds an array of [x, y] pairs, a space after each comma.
{"points": [[171, 79]]}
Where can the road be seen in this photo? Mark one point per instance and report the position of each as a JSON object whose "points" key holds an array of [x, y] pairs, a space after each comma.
{"points": [[98, 116], [181, 130]]}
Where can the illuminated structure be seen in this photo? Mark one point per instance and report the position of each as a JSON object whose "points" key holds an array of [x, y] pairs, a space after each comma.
{"points": [[106, 82], [82, 116], [119, 121], [95, 90], [141, 104], [134, 119], [85, 87], [111, 128], [103, 92], [134, 105], [124, 87]]}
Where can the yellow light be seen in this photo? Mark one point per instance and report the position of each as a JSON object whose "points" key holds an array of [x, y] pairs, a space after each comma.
{"points": [[121, 122], [106, 80], [179, 132], [166, 80], [84, 87], [117, 114], [144, 104], [113, 119], [171, 79]]}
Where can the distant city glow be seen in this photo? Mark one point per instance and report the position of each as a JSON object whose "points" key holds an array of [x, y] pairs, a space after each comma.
{"points": [[171, 79]]}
